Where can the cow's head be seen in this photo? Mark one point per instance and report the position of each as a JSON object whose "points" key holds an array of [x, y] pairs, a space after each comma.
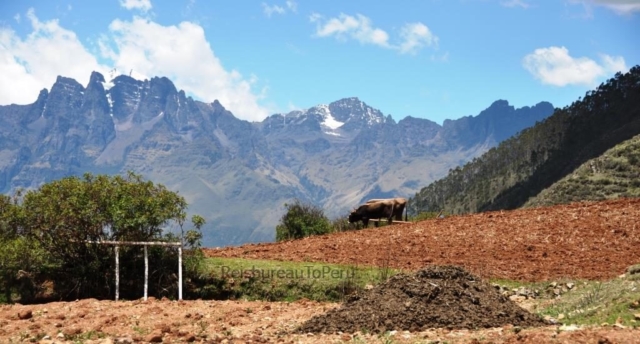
{"points": [[354, 217]]}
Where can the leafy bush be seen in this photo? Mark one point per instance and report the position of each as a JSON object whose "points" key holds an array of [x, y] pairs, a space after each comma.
{"points": [[49, 236], [302, 220]]}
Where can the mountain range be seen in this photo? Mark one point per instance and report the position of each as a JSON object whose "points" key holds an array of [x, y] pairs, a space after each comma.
{"points": [[545, 164], [238, 174]]}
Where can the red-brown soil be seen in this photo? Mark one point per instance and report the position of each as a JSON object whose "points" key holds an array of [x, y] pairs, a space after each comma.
{"points": [[108, 322], [586, 240], [590, 240]]}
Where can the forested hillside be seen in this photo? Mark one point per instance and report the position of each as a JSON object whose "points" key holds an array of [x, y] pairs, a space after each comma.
{"points": [[614, 174], [521, 167]]}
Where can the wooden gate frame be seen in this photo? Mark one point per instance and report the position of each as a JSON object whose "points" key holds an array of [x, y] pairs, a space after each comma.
{"points": [[117, 245]]}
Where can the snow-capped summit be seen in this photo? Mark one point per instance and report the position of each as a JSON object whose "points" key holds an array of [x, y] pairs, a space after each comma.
{"points": [[343, 117]]}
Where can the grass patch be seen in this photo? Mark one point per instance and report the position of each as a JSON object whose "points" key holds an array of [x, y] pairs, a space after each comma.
{"points": [[252, 279], [595, 302], [86, 336], [587, 302]]}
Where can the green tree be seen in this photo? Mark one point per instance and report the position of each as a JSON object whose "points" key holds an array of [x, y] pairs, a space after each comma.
{"points": [[21, 260], [302, 220], [63, 215]]}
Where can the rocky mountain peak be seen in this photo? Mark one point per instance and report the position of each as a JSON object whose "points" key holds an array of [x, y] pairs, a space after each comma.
{"points": [[499, 103], [217, 106], [353, 110], [96, 78], [42, 96], [333, 154], [66, 87], [124, 96], [545, 106], [162, 88], [65, 98]]}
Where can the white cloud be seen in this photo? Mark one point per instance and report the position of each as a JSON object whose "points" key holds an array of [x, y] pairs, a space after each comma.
{"points": [[346, 26], [292, 107], [614, 63], [182, 54], [315, 17], [440, 58], [289, 5], [515, 3], [33, 63], [412, 36], [620, 6], [415, 36], [292, 5], [269, 10], [554, 66], [142, 5], [17, 18]]}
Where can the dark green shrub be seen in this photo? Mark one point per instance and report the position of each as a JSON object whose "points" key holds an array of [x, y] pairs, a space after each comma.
{"points": [[302, 220]]}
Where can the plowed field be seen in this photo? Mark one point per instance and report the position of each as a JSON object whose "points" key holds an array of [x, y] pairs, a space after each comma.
{"points": [[583, 240], [589, 240]]}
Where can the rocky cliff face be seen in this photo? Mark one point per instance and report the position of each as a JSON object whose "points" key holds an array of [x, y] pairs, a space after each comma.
{"points": [[237, 174]]}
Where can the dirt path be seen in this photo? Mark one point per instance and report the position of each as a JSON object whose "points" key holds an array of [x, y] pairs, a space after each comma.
{"points": [[592, 240], [108, 322]]}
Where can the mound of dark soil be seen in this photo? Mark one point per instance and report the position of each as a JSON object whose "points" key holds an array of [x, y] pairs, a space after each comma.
{"points": [[434, 297]]}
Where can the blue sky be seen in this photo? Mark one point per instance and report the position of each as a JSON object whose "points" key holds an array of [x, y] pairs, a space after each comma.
{"points": [[432, 59]]}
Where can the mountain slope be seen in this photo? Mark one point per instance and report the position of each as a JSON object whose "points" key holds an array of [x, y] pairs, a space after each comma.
{"points": [[238, 174], [524, 165], [616, 173], [385, 158]]}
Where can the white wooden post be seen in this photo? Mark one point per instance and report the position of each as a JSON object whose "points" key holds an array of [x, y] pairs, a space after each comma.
{"points": [[146, 272], [180, 272], [146, 261], [117, 273]]}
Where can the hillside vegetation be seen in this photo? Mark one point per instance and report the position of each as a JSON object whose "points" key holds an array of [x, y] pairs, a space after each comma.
{"points": [[521, 167], [614, 174]]}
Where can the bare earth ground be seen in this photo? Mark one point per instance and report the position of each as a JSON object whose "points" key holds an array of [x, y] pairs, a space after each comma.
{"points": [[587, 240], [240, 322], [591, 240]]}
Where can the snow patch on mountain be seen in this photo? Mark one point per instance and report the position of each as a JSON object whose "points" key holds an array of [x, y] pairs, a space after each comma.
{"points": [[327, 119], [110, 104], [107, 85], [332, 123]]}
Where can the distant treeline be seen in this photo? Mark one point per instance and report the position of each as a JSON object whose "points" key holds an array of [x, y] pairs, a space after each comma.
{"points": [[521, 167]]}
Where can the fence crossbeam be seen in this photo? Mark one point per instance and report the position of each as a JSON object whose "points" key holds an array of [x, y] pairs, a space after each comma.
{"points": [[117, 245]]}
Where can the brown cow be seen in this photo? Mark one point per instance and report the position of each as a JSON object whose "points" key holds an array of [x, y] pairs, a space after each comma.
{"points": [[376, 210], [399, 206]]}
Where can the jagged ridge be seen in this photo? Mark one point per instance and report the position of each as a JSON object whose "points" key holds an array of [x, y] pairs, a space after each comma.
{"points": [[235, 173]]}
